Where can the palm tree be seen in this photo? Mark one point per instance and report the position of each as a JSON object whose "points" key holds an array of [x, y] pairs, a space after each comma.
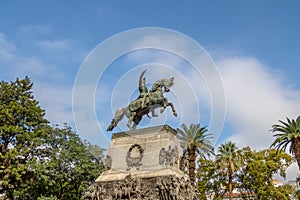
{"points": [[289, 132], [194, 141], [229, 159]]}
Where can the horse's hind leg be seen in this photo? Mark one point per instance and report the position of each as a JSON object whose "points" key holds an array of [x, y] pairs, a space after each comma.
{"points": [[129, 123], [133, 126], [130, 116]]}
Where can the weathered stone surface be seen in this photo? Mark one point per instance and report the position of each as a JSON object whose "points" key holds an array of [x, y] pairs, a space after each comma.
{"points": [[152, 188], [145, 131], [141, 150], [144, 164]]}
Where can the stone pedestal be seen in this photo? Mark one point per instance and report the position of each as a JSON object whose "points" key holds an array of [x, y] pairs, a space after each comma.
{"points": [[148, 152], [143, 164]]}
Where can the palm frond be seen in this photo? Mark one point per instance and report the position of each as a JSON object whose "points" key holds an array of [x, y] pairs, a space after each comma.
{"points": [[287, 132], [196, 137]]}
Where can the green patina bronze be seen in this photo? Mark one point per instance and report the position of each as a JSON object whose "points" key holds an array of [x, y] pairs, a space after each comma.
{"points": [[145, 103]]}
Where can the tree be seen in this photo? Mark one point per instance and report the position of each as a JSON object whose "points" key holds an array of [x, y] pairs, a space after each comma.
{"points": [[210, 181], [65, 167], [195, 141], [256, 176], [229, 160], [39, 161], [253, 178], [289, 132], [95, 150], [21, 127]]}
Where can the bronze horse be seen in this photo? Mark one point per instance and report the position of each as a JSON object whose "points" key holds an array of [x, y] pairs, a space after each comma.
{"points": [[145, 103]]}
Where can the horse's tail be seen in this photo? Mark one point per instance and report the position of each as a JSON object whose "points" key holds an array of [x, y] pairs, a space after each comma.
{"points": [[117, 117]]}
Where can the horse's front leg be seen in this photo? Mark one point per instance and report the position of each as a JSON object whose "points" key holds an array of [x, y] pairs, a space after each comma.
{"points": [[173, 108]]}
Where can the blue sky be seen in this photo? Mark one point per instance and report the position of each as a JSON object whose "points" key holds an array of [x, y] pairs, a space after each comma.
{"points": [[254, 45]]}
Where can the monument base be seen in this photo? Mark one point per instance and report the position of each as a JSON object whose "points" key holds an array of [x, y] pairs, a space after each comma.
{"points": [[143, 164]]}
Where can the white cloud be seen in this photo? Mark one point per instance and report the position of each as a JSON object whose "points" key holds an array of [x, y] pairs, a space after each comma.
{"points": [[90, 108], [256, 96], [56, 100], [34, 30], [182, 95], [170, 42], [190, 93], [256, 99], [55, 45], [7, 49], [49, 80], [292, 172], [15, 64], [192, 62]]}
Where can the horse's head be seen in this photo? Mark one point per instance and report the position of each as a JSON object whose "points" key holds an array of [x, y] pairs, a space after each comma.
{"points": [[167, 83], [163, 83]]}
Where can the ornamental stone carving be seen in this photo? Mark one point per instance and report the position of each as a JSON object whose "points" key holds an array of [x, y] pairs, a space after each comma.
{"points": [[159, 188], [134, 161], [169, 156]]}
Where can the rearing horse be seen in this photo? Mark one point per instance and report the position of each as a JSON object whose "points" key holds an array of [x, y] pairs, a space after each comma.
{"points": [[142, 106]]}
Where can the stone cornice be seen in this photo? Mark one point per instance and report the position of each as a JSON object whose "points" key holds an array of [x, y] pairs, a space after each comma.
{"points": [[143, 131]]}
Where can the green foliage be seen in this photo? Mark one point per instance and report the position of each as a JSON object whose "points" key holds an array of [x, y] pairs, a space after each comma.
{"points": [[295, 193], [196, 137], [210, 181], [43, 162], [64, 168], [38, 161], [289, 134], [252, 175], [288, 131], [47, 198], [21, 126], [229, 160], [195, 141], [94, 150], [258, 171]]}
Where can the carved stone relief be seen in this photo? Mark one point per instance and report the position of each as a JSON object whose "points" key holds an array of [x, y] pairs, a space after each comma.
{"points": [[156, 188], [168, 157], [134, 161]]}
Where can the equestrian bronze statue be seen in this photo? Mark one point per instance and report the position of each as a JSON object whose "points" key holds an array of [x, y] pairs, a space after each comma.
{"points": [[145, 103]]}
